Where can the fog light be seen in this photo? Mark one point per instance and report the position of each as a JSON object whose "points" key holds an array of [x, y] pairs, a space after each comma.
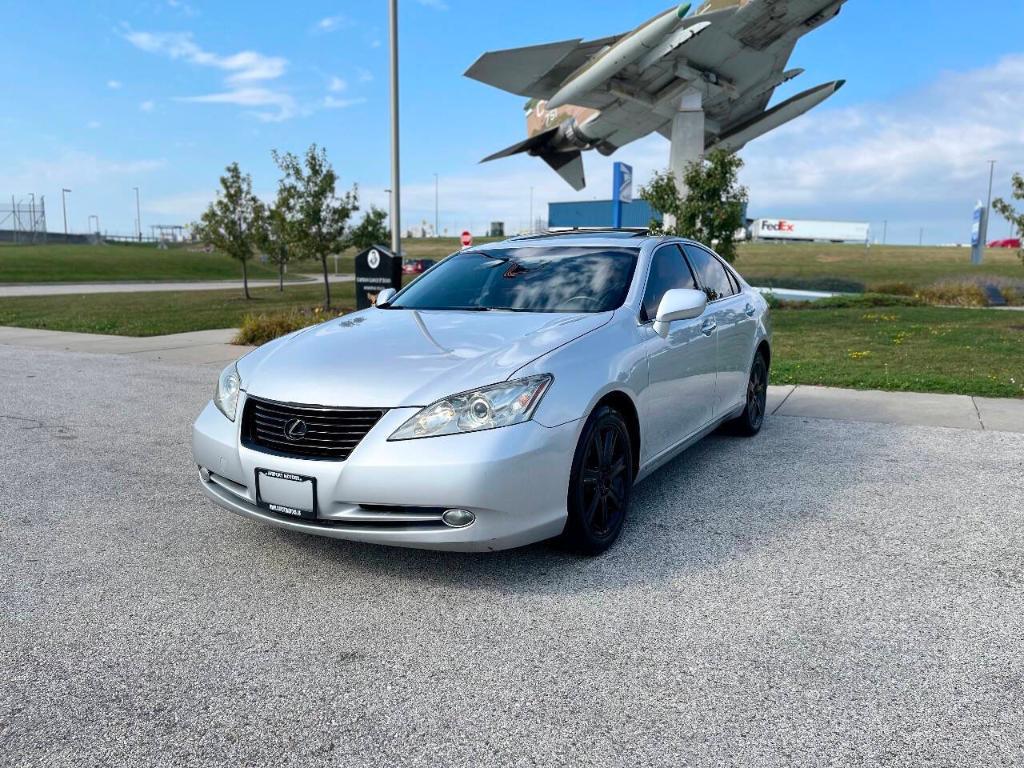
{"points": [[204, 473], [457, 518]]}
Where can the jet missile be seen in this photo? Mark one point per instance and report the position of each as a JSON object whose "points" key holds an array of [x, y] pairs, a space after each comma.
{"points": [[637, 44], [735, 138]]}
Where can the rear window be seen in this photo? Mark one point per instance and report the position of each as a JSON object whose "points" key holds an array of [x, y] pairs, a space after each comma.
{"points": [[523, 279]]}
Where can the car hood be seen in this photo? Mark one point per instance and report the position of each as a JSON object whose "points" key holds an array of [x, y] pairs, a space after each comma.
{"points": [[393, 358]]}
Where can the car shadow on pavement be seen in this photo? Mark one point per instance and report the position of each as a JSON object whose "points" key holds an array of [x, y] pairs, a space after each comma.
{"points": [[721, 499]]}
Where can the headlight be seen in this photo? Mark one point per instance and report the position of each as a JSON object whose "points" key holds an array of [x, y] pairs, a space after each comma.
{"points": [[499, 405], [228, 387]]}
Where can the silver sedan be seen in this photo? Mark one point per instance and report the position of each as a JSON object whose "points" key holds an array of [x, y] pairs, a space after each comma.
{"points": [[515, 392]]}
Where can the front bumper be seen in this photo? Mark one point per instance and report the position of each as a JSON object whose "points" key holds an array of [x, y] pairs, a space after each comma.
{"points": [[514, 479]]}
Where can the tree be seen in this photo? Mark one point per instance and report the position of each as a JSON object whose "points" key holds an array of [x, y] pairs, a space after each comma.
{"points": [[371, 230], [278, 232], [232, 222], [712, 211], [319, 216], [1010, 213]]}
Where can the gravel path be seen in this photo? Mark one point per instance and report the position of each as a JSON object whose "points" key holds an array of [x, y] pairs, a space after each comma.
{"points": [[827, 594]]}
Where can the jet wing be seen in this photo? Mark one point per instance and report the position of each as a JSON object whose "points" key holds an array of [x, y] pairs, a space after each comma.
{"points": [[536, 71]]}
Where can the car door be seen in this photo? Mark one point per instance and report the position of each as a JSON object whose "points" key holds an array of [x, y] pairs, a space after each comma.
{"points": [[733, 315], [680, 396]]}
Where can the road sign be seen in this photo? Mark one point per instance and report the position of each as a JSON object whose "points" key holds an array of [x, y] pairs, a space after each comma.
{"points": [[977, 244], [622, 191], [467, 239]]}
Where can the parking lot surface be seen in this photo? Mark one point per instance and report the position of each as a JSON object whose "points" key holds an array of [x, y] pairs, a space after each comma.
{"points": [[827, 593]]}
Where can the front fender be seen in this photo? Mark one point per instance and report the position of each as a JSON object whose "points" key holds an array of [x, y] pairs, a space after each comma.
{"points": [[608, 360]]}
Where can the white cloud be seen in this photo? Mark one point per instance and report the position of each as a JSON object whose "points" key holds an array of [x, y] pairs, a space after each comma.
{"points": [[147, 106], [336, 85], [930, 148], [246, 70], [364, 75], [333, 102], [94, 124], [244, 67], [437, 5], [283, 104], [114, 85], [331, 23]]}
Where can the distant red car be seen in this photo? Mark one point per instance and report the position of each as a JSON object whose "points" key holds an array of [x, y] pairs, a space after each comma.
{"points": [[1012, 242], [416, 266]]}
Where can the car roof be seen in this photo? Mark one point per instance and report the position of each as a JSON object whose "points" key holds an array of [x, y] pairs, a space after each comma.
{"points": [[607, 238]]}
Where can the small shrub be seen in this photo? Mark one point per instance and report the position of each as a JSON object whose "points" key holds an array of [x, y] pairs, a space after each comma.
{"points": [[955, 294], [895, 289], [260, 328]]}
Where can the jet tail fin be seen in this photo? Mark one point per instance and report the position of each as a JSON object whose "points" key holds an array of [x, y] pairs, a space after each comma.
{"points": [[568, 165], [531, 144]]}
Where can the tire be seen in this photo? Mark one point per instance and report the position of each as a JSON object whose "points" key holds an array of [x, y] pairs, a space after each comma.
{"points": [[749, 423], [600, 484]]}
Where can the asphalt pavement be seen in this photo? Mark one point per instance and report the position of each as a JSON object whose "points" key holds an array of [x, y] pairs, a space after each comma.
{"points": [[829, 593]]}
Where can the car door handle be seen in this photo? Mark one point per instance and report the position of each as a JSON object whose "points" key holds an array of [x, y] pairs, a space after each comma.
{"points": [[708, 326], [749, 309]]}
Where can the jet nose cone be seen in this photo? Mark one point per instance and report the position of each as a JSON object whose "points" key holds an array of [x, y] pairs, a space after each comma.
{"points": [[683, 10]]}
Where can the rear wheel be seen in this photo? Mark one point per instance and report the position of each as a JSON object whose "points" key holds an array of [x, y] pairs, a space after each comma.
{"points": [[600, 484], [749, 422]]}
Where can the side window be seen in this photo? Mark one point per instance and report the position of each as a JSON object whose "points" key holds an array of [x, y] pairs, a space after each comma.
{"points": [[713, 276], [668, 272]]}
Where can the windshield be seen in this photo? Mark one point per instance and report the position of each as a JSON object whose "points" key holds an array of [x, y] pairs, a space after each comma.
{"points": [[524, 279]]}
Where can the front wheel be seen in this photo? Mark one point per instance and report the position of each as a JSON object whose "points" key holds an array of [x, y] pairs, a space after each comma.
{"points": [[600, 484], [749, 422]]}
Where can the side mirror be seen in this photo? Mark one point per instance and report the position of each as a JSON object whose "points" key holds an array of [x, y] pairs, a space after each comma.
{"points": [[679, 304], [385, 297]]}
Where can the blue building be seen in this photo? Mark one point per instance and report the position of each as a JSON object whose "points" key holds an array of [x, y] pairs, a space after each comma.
{"points": [[598, 213]]}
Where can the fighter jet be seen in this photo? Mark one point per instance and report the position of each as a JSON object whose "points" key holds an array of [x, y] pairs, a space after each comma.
{"points": [[604, 94]]}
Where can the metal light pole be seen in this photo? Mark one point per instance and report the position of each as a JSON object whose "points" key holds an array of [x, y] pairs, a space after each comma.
{"points": [[529, 226], [138, 213], [396, 197], [64, 205], [437, 207], [32, 213], [885, 231]]}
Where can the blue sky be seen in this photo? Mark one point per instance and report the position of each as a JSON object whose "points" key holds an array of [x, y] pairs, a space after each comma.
{"points": [[161, 94]]}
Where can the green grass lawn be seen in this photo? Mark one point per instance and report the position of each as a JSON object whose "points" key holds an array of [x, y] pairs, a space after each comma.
{"points": [[155, 314], [61, 263], [815, 265], [919, 349]]}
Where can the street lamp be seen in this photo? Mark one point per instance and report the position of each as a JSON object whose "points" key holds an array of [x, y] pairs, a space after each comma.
{"points": [[64, 206], [983, 235], [437, 207], [138, 213], [396, 197]]}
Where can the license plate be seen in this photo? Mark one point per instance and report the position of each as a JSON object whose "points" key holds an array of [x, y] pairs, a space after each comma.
{"points": [[286, 494]]}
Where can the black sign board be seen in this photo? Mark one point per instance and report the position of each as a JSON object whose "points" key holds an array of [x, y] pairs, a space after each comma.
{"points": [[377, 268]]}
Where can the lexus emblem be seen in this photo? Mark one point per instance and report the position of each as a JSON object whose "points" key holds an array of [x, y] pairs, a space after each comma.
{"points": [[295, 429]]}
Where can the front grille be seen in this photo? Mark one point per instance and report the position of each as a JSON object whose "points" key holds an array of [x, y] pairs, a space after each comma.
{"points": [[329, 433]]}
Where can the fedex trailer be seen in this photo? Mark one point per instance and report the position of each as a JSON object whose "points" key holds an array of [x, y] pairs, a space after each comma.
{"points": [[810, 231]]}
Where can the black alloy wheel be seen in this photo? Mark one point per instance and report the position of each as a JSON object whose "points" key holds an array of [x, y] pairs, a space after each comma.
{"points": [[601, 483], [751, 420]]}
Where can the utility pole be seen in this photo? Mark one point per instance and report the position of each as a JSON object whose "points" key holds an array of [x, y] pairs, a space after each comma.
{"points": [[437, 207], [920, 239], [138, 214], [64, 205], [396, 196], [885, 231], [32, 213]]}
